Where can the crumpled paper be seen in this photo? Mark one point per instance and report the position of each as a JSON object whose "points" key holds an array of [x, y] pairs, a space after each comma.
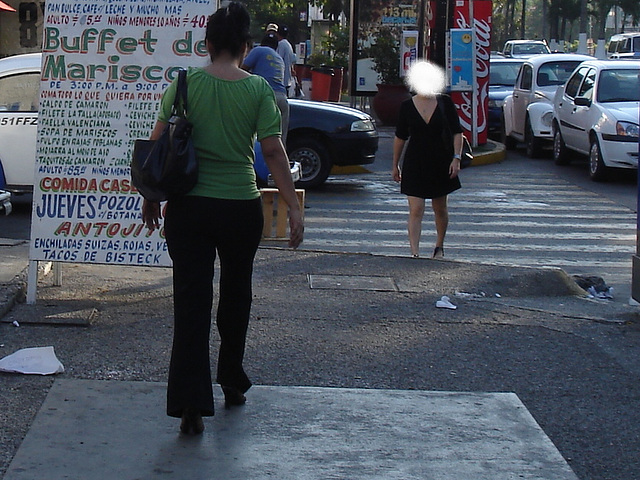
{"points": [[33, 361], [445, 302]]}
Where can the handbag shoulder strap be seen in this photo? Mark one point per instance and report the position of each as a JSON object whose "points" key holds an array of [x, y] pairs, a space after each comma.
{"points": [[180, 100]]}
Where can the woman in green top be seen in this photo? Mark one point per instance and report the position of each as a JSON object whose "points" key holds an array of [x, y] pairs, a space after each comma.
{"points": [[221, 216]]}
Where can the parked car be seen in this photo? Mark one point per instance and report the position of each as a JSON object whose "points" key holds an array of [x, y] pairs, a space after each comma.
{"points": [[524, 48], [624, 46], [596, 114], [528, 111], [19, 96], [502, 77], [320, 135], [5, 202]]}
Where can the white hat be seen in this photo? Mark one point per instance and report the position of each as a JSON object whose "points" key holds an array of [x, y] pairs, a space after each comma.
{"points": [[272, 26]]}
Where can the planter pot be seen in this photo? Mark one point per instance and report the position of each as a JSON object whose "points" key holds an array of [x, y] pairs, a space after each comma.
{"points": [[386, 103]]}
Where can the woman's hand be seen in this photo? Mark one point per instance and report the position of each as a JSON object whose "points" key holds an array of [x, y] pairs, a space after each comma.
{"points": [[277, 161], [398, 147], [396, 174], [151, 214], [296, 228], [454, 168]]}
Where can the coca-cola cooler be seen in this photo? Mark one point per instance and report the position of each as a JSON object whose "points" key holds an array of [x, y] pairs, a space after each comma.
{"points": [[468, 35]]}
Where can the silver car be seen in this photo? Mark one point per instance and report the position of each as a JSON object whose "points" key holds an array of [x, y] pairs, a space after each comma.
{"points": [[528, 111], [596, 114]]}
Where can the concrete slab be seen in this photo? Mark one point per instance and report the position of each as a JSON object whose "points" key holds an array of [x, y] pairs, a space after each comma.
{"points": [[118, 430]]}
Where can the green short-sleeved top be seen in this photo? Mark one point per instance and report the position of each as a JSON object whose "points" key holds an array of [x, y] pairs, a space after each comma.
{"points": [[226, 116]]}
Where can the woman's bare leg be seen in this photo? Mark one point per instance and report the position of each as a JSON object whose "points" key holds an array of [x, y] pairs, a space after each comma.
{"points": [[441, 214], [416, 212]]}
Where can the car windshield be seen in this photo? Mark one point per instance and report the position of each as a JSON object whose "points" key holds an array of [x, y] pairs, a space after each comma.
{"points": [[504, 73], [622, 85], [556, 73], [530, 49]]}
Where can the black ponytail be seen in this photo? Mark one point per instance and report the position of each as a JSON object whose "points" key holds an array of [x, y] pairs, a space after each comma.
{"points": [[228, 29]]}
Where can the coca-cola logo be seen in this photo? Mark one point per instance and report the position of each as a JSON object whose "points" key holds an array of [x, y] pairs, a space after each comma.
{"points": [[482, 44]]}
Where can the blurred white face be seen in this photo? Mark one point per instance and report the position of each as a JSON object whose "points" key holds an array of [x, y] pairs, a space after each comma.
{"points": [[426, 78]]}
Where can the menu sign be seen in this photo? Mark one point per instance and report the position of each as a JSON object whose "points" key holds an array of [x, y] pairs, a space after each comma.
{"points": [[105, 65]]}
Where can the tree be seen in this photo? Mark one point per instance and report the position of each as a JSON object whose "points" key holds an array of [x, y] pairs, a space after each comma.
{"points": [[282, 12]]}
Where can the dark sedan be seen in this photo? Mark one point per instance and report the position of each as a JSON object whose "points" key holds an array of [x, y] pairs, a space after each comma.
{"points": [[502, 77], [322, 135]]}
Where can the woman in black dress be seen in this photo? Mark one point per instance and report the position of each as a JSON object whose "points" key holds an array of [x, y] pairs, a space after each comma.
{"points": [[431, 163]]}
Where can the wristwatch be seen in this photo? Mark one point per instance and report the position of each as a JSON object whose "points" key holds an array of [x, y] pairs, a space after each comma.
{"points": [[457, 155]]}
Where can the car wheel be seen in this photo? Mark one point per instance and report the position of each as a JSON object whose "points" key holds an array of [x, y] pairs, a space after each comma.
{"points": [[314, 161], [597, 169], [534, 147], [560, 151], [509, 142]]}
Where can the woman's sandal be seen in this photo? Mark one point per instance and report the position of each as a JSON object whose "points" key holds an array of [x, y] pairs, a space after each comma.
{"points": [[233, 397], [438, 252], [191, 422]]}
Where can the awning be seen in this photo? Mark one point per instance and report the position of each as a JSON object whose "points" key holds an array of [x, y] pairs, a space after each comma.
{"points": [[8, 8]]}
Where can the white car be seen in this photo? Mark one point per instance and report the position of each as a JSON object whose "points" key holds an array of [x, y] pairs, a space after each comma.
{"points": [[524, 48], [19, 91], [596, 114], [528, 111]]}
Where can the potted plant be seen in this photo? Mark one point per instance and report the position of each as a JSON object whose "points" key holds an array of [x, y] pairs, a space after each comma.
{"points": [[334, 56], [385, 55]]}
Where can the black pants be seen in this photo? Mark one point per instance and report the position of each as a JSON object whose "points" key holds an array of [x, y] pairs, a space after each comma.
{"points": [[196, 228]]}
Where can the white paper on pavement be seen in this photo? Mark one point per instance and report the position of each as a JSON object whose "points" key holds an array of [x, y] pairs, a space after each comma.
{"points": [[36, 361], [445, 302]]}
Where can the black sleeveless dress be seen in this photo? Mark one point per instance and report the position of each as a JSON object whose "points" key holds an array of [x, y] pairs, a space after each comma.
{"points": [[425, 168]]}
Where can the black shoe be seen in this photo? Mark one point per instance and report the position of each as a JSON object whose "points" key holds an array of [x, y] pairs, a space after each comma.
{"points": [[438, 252], [191, 422], [233, 397]]}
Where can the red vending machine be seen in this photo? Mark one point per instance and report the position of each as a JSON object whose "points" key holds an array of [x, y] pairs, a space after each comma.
{"points": [[445, 18]]}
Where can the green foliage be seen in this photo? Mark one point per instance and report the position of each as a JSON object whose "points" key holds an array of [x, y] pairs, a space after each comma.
{"points": [[282, 12], [553, 19], [318, 59], [334, 49], [385, 54]]}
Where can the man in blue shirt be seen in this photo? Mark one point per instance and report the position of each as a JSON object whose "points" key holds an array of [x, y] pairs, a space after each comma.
{"points": [[265, 61]]}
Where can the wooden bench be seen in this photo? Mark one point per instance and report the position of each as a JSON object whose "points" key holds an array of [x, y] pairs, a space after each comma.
{"points": [[276, 213]]}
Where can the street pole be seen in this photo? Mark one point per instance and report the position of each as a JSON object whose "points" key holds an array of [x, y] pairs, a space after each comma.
{"points": [[438, 40]]}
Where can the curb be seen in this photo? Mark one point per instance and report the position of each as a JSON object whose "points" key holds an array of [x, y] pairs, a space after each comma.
{"points": [[497, 154]]}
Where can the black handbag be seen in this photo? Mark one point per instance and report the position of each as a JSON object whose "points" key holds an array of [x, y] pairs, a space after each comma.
{"points": [[466, 156], [167, 167]]}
